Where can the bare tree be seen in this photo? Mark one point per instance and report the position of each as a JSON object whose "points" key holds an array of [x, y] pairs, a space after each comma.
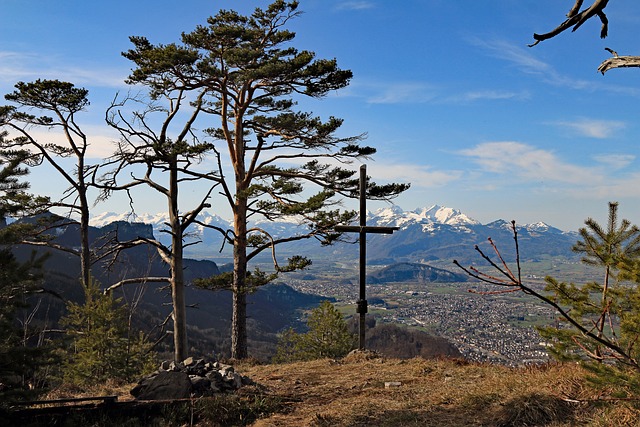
{"points": [[157, 149]]}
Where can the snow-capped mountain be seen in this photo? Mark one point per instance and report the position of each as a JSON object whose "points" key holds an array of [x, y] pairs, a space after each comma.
{"points": [[428, 233], [395, 217], [157, 220]]}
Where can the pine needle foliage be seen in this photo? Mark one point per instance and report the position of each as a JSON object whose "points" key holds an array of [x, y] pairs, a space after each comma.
{"points": [[607, 308], [599, 321], [281, 161], [103, 345], [18, 279], [328, 337]]}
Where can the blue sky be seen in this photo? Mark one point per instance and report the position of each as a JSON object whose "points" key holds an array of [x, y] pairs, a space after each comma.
{"points": [[447, 91]]}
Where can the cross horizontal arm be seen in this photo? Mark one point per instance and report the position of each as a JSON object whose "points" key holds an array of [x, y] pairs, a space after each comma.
{"points": [[366, 229]]}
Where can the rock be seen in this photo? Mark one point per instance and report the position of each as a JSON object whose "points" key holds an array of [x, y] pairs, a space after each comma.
{"points": [[200, 386], [173, 366], [214, 376], [391, 384], [225, 369], [235, 380], [189, 378], [164, 386], [196, 367]]}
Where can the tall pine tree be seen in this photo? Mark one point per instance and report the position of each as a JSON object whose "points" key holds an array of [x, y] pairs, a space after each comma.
{"points": [[18, 361], [270, 159]]}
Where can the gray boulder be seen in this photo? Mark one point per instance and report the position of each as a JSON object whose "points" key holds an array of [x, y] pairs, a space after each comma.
{"points": [[165, 385]]}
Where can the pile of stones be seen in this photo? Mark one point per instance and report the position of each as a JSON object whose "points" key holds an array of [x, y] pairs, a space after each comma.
{"points": [[190, 378]]}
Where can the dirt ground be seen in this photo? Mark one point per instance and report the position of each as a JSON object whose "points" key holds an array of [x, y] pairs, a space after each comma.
{"points": [[367, 390]]}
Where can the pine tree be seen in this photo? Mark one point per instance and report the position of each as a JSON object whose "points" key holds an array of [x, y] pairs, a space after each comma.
{"points": [[328, 337], [102, 345], [279, 161], [59, 102], [18, 361], [607, 311], [599, 321]]}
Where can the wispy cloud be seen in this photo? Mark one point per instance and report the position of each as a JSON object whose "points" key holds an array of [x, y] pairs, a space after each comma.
{"points": [[615, 161], [488, 95], [417, 92], [396, 93], [21, 66], [418, 175], [100, 139], [512, 53], [524, 59], [626, 187], [518, 160], [591, 128], [355, 5]]}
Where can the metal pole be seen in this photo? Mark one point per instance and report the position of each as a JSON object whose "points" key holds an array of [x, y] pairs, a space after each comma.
{"points": [[362, 301]]}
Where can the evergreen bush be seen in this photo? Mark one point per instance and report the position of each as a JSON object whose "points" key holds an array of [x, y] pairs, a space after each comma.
{"points": [[103, 346], [328, 336]]}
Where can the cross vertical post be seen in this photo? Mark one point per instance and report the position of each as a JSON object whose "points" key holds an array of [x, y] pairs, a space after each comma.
{"points": [[363, 229], [362, 305]]}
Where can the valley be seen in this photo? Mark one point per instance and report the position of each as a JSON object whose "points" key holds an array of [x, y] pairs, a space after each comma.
{"points": [[411, 281], [496, 328]]}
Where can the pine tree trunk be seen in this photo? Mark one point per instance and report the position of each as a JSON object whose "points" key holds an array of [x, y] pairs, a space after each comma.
{"points": [[180, 343], [239, 326], [85, 252], [83, 204], [239, 316], [179, 309]]}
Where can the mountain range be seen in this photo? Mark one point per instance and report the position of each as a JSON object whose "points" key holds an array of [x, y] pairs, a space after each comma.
{"points": [[424, 235], [271, 308]]}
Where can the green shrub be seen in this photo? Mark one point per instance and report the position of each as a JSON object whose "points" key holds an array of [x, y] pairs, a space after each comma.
{"points": [[102, 344], [328, 336]]}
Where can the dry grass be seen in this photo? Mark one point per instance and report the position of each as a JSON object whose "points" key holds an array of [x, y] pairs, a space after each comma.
{"points": [[108, 388], [352, 392]]}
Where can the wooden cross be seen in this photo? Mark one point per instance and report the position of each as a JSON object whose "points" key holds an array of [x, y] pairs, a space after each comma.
{"points": [[363, 229]]}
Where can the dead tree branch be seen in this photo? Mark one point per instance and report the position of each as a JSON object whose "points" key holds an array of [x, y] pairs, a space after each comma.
{"points": [[618, 62], [514, 283], [136, 280], [575, 20]]}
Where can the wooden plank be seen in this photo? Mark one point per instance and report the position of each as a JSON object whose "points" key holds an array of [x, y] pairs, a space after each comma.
{"points": [[105, 399]]}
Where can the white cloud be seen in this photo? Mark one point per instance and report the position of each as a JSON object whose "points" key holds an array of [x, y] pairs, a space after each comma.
{"points": [[417, 175], [510, 52], [99, 138], [355, 5], [624, 188], [25, 66], [525, 59], [591, 128], [417, 92], [615, 161], [396, 93], [518, 160], [490, 95]]}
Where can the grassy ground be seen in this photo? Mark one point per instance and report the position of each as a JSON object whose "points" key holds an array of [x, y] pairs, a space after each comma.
{"points": [[354, 392], [364, 389]]}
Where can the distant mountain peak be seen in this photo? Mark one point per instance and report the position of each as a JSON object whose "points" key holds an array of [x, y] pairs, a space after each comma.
{"points": [[428, 233], [435, 214], [155, 219], [444, 215], [538, 226]]}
